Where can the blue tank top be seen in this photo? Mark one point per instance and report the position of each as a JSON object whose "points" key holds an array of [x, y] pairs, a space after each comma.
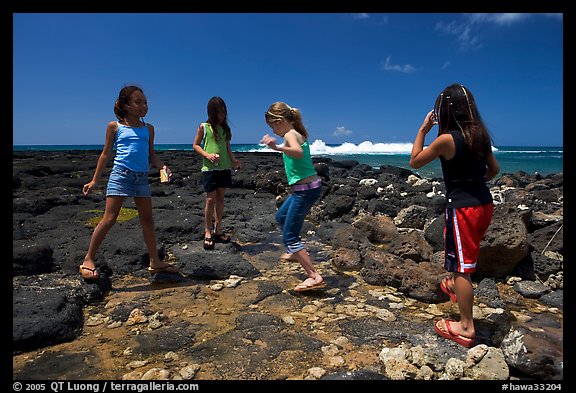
{"points": [[132, 148]]}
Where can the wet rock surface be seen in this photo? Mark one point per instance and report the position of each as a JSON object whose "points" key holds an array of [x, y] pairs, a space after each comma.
{"points": [[232, 313]]}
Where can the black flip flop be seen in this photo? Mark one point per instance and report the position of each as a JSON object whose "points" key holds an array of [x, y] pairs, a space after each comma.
{"points": [[89, 277], [208, 243], [221, 238]]}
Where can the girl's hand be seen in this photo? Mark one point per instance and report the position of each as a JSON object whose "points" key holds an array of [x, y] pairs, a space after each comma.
{"points": [[88, 187], [269, 141], [429, 121], [213, 158], [168, 171], [434, 117], [236, 164]]}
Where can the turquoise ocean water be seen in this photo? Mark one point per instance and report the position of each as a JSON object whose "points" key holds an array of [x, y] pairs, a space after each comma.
{"points": [[542, 159]]}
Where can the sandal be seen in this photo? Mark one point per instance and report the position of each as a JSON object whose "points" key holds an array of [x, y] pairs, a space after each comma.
{"points": [[447, 290], [208, 243], [166, 269], [309, 284], [89, 274], [451, 334], [221, 238]]}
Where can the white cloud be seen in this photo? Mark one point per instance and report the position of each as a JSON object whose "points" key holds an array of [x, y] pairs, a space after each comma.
{"points": [[445, 65], [555, 16], [466, 34], [507, 18], [406, 68], [375, 18], [463, 34], [341, 131], [498, 19]]}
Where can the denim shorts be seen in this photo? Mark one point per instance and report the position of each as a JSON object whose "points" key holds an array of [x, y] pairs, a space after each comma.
{"points": [[127, 183], [211, 180]]}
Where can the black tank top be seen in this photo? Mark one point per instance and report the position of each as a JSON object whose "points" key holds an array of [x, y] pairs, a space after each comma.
{"points": [[464, 176]]}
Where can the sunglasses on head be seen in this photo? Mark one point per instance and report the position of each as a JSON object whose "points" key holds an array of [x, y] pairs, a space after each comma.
{"points": [[272, 118]]}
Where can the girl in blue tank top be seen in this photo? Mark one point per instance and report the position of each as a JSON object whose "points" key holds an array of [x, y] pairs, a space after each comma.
{"points": [[134, 142]]}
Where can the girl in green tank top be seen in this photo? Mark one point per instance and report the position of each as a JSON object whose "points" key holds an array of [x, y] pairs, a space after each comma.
{"points": [[212, 142], [286, 122]]}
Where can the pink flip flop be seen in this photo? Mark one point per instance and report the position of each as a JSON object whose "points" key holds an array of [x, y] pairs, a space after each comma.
{"points": [[451, 335], [447, 290]]}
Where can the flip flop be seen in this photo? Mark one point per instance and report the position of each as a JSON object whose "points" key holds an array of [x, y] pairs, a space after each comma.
{"points": [[447, 290], [89, 276], [451, 335], [164, 269], [302, 287], [208, 243], [221, 238]]}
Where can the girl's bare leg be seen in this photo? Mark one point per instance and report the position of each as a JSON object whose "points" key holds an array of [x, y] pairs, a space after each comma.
{"points": [[303, 257], [111, 211], [219, 210], [465, 294], [209, 210]]}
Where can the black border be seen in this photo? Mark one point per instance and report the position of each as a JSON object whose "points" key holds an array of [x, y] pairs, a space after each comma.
{"points": [[295, 6]]}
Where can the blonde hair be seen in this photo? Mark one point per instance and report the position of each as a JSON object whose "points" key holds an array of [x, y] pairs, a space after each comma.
{"points": [[281, 110]]}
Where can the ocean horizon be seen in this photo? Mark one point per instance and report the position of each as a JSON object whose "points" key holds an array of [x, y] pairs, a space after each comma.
{"points": [[530, 159]]}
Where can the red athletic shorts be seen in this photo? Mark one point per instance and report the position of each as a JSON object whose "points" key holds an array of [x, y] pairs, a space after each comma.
{"points": [[463, 231]]}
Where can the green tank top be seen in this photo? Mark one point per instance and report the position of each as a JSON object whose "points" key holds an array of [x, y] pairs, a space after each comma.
{"points": [[299, 168], [213, 147]]}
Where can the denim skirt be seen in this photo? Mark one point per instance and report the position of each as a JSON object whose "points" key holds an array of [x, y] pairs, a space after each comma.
{"points": [[127, 183]]}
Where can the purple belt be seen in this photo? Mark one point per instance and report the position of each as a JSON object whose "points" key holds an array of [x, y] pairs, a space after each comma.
{"points": [[307, 186]]}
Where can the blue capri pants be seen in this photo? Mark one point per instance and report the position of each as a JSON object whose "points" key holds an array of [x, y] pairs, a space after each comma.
{"points": [[291, 215]]}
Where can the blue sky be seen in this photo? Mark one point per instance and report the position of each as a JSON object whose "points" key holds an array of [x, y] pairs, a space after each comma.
{"points": [[355, 77]]}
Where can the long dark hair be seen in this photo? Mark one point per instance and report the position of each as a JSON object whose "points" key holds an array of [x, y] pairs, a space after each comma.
{"points": [[456, 109], [215, 105], [123, 100]]}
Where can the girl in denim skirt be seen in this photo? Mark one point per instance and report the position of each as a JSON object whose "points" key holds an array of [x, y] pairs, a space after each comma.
{"points": [[134, 141], [286, 122]]}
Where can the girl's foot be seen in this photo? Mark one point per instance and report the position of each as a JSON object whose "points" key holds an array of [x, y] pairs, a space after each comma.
{"points": [[221, 238], [288, 257], [446, 286], [445, 328], [166, 268], [310, 283], [88, 270], [208, 243]]}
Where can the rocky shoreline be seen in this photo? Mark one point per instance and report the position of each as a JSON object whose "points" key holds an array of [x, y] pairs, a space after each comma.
{"points": [[375, 235]]}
